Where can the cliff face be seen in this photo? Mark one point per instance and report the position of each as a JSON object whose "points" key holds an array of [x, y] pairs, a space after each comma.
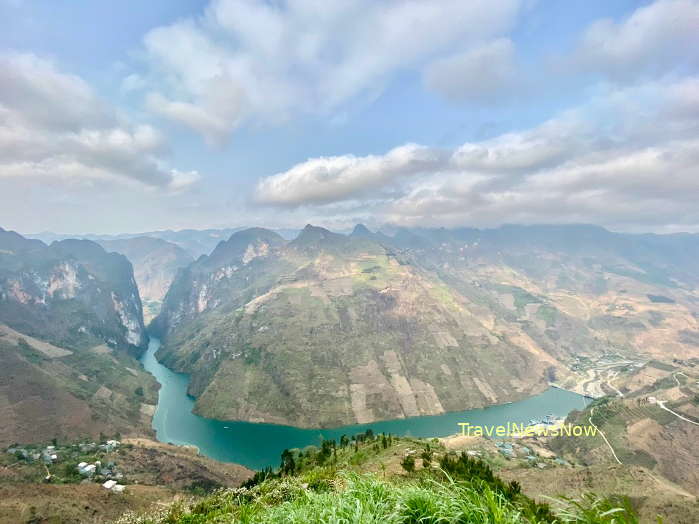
{"points": [[155, 264], [70, 327], [72, 293]]}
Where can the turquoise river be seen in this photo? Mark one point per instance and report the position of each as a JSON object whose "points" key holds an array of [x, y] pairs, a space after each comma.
{"points": [[260, 445]]}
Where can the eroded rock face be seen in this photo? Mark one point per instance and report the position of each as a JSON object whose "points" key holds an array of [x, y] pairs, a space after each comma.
{"points": [[155, 264], [72, 293]]}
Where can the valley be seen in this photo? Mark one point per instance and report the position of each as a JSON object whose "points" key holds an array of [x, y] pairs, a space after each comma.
{"points": [[258, 446], [272, 344]]}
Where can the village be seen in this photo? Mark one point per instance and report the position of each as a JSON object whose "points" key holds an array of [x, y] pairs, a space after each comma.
{"points": [[83, 462]]}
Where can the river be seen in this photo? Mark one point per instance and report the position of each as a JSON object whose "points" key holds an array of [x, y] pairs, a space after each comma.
{"points": [[260, 445]]}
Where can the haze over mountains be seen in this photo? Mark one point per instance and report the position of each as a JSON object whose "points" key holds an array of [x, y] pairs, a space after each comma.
{"points": [[329, 329]]}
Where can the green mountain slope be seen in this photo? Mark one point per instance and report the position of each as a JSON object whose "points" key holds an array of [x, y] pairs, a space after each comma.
{"points": [[331, 329]]}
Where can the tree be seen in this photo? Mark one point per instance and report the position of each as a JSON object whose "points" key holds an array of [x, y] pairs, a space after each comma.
{"points": [[408, 463], [426, 456], [288, 465]]}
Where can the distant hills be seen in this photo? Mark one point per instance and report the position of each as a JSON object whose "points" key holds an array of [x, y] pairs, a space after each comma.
{"points": [[196, 242], [155, 262]]}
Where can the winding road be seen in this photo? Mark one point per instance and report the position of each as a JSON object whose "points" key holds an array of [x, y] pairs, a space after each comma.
{"points": [[661, 403], [592, 414]]}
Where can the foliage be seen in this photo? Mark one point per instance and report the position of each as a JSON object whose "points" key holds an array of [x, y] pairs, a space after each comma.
{"points": [[357, 498], [408, 463]]}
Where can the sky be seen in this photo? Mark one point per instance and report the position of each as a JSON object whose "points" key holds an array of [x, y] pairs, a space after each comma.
{"points": [[134, 116]]}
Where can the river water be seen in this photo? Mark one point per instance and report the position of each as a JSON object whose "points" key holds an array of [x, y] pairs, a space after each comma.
{"points": [[260, 445]]}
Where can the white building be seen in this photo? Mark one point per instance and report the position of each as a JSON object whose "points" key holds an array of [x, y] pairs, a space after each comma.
{"points": [[109, 484]]}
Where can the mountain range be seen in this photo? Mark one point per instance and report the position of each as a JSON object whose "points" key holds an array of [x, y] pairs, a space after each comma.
{"points": [[330, 329]]}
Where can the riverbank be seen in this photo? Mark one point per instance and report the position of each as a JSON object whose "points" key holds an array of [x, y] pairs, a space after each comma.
{"points": [[260, 445]]}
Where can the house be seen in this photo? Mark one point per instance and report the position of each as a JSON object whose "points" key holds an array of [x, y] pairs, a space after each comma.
{"points": [[110, 445], [86, 469], [109, 484], [118, 488]]}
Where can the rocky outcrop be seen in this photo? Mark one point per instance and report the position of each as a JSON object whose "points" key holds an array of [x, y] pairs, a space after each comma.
{"points": [[72, 293], [155, 263]]}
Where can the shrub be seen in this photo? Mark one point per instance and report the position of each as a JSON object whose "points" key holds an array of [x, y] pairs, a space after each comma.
{"points": [[408, 463]]}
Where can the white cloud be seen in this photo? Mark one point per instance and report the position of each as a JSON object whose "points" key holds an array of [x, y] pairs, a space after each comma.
{"points": [[52, 124], [482, 73], [329, 179], [252, 61], [626, 157], [655, 39]]}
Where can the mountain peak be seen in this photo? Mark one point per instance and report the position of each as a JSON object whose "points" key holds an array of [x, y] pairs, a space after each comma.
{"points": [[235, 247], [311, 232], [360, 230], [314, 236]]}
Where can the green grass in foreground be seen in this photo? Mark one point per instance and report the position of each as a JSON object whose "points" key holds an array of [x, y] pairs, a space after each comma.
{"points": [[361, 498], [327, 485]]}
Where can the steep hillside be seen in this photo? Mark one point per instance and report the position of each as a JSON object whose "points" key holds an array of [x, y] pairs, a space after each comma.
{"points": [[155, 263], [50, 392], [331, 329], [154, 475], [70, 293], [380, 478], [70, 329], [651, 421], [610, 300]]}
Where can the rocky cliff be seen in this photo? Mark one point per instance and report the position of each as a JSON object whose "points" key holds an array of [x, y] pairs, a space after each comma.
{"points": [[70, 327], [71, 293], [155, 264]]}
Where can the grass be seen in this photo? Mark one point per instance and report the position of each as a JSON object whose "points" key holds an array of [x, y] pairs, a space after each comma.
{"points": [[326, 486], [364, 498]]}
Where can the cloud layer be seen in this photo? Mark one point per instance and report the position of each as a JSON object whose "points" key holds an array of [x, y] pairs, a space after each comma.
{"points": [[52, 124], [251, 61], [659, 38], [629, 156]]}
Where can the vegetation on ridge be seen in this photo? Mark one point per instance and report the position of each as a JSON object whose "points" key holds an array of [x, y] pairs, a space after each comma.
{"points": [[330, 484]]}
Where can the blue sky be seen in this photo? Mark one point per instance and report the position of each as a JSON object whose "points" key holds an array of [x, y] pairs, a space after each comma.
{"points": [[134, 116]]}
